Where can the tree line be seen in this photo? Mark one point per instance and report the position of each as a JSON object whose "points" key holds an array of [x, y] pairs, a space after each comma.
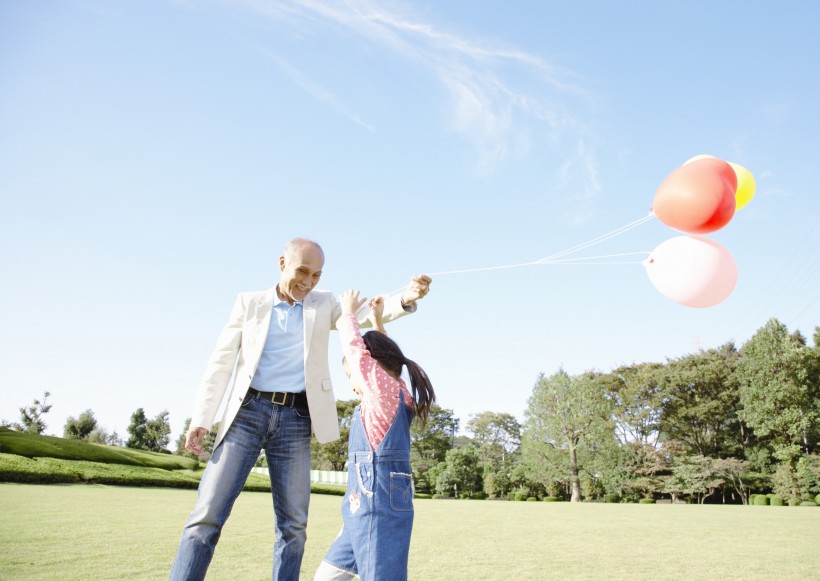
{"points": [[712, 426]]}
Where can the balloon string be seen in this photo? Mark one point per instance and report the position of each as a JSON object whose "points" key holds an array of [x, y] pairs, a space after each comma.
{"points": [[361, 314], [599, 239], [551, 258], [585, 258]]}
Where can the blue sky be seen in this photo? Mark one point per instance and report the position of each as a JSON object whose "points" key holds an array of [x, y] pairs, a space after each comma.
{"points": [[156, 156]]}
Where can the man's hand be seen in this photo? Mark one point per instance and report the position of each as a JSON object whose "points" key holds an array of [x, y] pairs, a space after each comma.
{"points": [[350, 301], [194, 440], [417, 289]]}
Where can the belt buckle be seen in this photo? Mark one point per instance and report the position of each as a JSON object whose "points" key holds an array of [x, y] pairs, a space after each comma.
{"points": [[276, 395]]}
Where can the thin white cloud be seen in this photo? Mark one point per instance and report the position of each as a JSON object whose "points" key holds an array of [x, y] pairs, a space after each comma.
{"points": [[319, 92], [504, 100]]}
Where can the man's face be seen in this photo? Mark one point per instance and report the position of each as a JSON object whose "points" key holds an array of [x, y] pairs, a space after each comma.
{"points": [[301, 269]]}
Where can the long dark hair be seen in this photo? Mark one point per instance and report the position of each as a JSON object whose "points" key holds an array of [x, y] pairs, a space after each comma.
{"points": [[387, 352]]}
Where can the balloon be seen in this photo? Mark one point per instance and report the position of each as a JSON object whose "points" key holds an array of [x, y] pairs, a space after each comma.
{"points": [[697, 157], [745, 185], [698, 197], [692, 270]]}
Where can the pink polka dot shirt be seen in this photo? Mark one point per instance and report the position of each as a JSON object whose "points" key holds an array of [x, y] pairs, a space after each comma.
{"points": [[380, 391]]}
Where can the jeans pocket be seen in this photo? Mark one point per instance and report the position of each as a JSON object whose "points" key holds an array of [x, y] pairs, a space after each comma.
{"points": [[401, 491], [249, 397]]}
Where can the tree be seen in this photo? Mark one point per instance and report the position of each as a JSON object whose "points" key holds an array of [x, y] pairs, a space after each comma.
{"points": [[31, 417], [498, 437], [702, 404], [333, 455], [146, 434], [100, 436], [637, 397], [461, 473], [736, 472], [80, 428], [647, 466], [779, 390], [429, 444], [158, 432], [693, 476], [137, 430], [570, 413]]}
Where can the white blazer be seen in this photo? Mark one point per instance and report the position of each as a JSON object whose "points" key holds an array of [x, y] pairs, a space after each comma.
{"points": [[240, 346]]}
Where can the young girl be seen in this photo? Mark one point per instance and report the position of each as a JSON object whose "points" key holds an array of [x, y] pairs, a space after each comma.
{"points": [[377, 510]]}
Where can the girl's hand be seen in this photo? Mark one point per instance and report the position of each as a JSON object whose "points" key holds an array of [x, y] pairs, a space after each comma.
{"points": [[377, 306], [350, 301], [376, 311]]}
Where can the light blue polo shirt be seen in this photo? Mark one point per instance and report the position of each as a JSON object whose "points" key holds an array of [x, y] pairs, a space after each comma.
{"points": [[282, 364]]}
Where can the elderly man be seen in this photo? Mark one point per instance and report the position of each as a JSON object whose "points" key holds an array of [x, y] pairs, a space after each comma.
{"points": [[277, 342]]}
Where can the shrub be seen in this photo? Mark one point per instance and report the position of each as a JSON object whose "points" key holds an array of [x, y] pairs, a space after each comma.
{"points": [[775, 500], [808, 503], [646, 501], [761, 500], [550, 499], [521, 495], [316, 488], [532, 499], [817, 499], [611, 498], [752, 499], [437, 496], [794, 502], [478, 496]]}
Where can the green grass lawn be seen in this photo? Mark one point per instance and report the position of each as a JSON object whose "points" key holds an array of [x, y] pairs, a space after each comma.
{"points": [[97, 532]]}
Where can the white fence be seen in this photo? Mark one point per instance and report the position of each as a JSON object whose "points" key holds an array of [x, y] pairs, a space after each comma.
{"points": [[318, 476], [328, 477]]}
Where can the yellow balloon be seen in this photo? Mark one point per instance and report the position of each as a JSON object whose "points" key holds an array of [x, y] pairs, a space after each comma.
{"points": [[745, 185]]}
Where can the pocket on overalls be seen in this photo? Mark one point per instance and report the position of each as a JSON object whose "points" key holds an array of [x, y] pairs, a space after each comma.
{"points": [[401, 491], [365, 476]]}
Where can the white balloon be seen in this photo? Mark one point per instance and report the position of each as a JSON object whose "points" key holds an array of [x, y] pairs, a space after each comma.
{"points": [[692, 270]]}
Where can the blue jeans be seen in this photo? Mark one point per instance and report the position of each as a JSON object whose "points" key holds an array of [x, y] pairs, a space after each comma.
{"points": [[284, 433]]}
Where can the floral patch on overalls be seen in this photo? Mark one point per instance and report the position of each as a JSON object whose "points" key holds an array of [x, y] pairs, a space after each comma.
{"points": [[355, 501]]}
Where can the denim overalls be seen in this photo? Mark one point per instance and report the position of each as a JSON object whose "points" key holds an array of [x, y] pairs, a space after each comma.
{"points": [[377, 510]]}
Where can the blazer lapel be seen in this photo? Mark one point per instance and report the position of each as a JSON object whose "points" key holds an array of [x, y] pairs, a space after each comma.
{"points": [[264, 307], [309, 318]]}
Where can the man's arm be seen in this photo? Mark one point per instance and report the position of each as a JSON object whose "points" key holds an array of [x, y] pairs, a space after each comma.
{"points": [[395, 305], [215, 380]]}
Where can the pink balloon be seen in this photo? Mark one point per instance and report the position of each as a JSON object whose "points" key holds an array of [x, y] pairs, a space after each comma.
{"points": [[692, 270]]}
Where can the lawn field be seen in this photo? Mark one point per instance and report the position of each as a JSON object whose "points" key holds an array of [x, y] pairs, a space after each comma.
{"points": [[95, 532]]}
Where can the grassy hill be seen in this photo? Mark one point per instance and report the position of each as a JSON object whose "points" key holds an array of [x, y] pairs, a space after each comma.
{"points": [[36, 446], [34, 459]]}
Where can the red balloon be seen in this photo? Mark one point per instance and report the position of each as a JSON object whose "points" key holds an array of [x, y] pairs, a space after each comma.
{"points": [[698, 197]]}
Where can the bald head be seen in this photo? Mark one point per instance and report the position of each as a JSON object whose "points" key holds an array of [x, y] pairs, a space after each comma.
{"points": [[300, 267]]}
